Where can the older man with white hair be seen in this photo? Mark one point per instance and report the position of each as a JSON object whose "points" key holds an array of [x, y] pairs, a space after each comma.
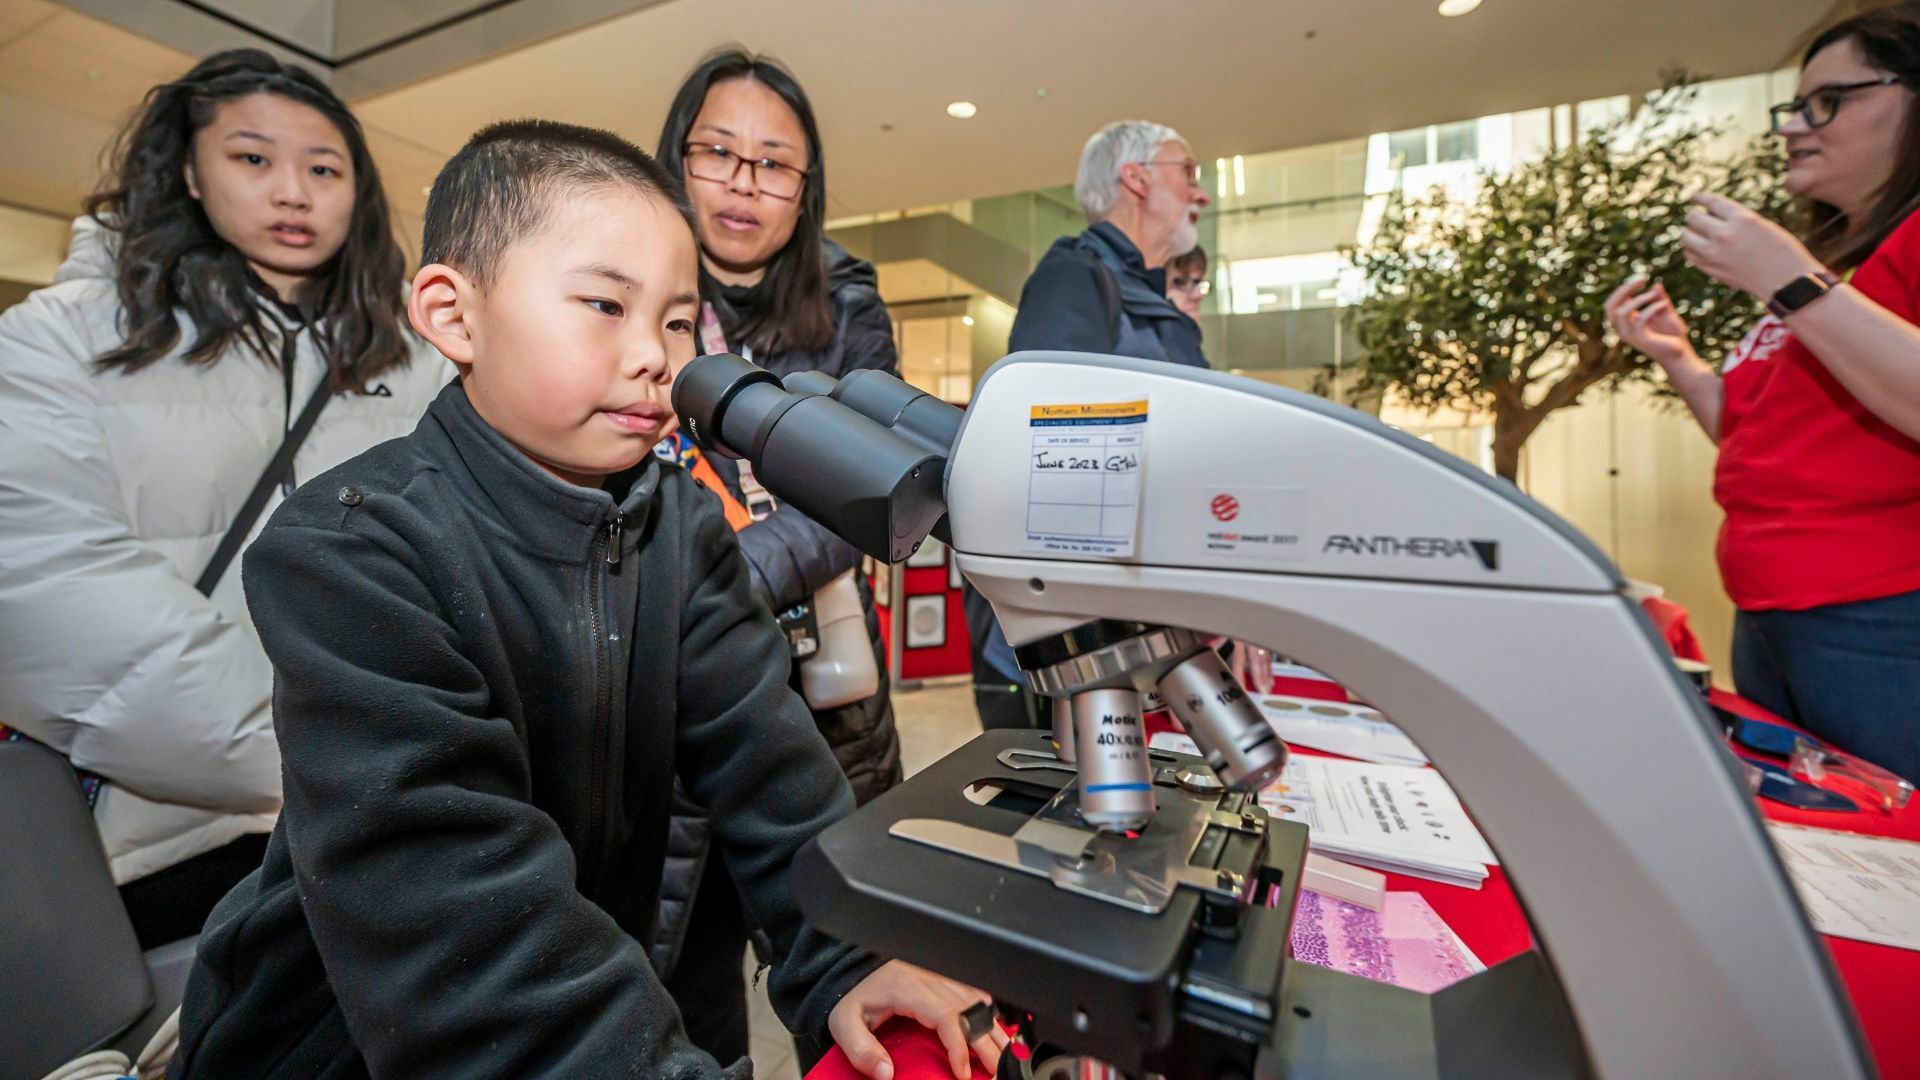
{"points": [[1105, 290]]}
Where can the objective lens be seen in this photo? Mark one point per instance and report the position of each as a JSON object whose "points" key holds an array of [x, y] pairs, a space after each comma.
{"points": [[1062, 728], [1116, 781], [1236, 740]]}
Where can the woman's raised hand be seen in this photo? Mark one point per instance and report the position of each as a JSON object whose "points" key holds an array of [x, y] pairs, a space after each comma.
{"points": [[1645, 319]]}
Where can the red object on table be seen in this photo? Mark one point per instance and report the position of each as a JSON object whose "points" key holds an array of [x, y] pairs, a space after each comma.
{"points": [[1671, 620], [1880, 980], [916, 1053]]}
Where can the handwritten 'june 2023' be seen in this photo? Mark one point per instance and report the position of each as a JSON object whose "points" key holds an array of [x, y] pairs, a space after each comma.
{"points": [[1048, 460]]}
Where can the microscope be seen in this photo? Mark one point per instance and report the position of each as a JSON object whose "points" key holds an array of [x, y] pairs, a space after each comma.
{"points": [[1128, 908]]}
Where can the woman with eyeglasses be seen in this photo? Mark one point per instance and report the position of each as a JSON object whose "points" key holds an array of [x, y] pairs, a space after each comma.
{"points": [[1187, 283], [741, 134], [1817, 411]]}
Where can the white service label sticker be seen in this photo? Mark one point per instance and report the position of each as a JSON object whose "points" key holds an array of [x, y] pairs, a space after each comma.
{"points": [[1254, 521], [1083, 477]]}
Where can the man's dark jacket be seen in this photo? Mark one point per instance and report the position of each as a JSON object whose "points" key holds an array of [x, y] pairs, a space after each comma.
{"points": [[1093, 293], [1089, 293], [484, 682]]}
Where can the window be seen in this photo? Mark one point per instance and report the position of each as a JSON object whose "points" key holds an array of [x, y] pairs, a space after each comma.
{"points": [[1457, 141], [1406, 148]]}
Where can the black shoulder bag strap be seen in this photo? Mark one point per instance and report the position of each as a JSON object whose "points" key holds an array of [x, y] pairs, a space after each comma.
{"points": [[1110, 305], [263, 488]]}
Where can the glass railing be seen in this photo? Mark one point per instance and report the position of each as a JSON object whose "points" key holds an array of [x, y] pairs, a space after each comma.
{"points": [[1273, 233]]}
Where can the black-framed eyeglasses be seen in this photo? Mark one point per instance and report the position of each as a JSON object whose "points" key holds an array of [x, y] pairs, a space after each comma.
{"points": [[1192, 168], [1820, 107], [711, 161], [1196, 286]]}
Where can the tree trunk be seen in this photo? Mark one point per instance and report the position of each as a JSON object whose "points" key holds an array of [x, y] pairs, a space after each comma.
{"points": [[1506, 457], [1514, 421], [1512, 424]]}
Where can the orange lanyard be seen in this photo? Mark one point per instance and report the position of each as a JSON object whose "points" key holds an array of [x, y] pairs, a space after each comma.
{"points": [[738, 516], [703, 473]]}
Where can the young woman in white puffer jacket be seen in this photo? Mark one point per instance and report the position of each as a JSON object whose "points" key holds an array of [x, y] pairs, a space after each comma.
{"points": [[240, 255]]}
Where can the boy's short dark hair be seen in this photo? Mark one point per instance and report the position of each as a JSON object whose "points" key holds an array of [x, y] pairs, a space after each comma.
{"points": [[497, 189]]}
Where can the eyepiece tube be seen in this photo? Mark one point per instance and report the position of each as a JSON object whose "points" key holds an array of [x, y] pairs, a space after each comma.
{"points": [[703, 390], [878, 490], [906, 409], [810, 382]]}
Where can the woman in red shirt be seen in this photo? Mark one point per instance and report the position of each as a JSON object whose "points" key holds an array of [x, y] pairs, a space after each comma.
{"points": [[1817, 410]]}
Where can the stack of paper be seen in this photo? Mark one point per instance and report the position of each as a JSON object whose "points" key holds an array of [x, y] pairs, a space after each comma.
{"points": [[1399, 818], [1354, 731], [1396, 818], [1861, 887]]}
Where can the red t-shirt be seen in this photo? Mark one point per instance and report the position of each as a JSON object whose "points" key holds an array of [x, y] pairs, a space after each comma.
{"points": [[1822, 497]]}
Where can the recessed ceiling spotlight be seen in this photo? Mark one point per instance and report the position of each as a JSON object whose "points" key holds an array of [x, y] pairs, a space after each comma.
{"points": [[961, 110], [1451, 8], [966, 320]]}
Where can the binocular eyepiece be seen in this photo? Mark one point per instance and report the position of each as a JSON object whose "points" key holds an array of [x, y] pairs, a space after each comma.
{"points": [[866, 456]]}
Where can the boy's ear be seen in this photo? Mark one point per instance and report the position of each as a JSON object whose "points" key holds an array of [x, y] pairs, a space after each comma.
{"points": [[441, 311]]}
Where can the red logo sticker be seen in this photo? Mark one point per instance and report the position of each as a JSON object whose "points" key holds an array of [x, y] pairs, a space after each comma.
{"points": [[1225, 507]]}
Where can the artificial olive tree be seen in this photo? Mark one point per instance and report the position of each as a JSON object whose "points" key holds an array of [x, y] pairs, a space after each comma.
{"points": [[1495, 303]]}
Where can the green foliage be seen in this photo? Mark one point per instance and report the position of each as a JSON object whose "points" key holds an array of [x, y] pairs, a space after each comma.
{"points": [[1497, 303]]}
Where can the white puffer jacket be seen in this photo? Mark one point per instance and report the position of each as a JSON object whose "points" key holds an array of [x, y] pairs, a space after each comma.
{"points": [[114, 491]]}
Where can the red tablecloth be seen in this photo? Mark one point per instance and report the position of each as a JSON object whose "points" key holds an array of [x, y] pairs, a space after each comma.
{"points": [[1884, 982]]}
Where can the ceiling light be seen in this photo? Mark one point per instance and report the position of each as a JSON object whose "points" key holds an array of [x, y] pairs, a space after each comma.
{"points": [[1451, 8], [966, 320], [961, 110]]}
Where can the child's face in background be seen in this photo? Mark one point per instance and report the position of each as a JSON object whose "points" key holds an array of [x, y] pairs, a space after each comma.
{"points": [[574, 345]]}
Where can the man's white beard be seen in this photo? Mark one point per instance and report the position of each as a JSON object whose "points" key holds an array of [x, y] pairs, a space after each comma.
{"points": [[1185, 237]]}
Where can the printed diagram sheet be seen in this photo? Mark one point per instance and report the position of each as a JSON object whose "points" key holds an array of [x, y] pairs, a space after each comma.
{"points": [[1862, 887], [1354, 731]]}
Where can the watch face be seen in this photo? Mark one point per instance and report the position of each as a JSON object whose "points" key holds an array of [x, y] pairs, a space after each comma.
{"points": [[1797, 294]]}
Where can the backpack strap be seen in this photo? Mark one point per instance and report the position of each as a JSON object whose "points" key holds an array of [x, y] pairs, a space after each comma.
{"points": [[263, 488], [1110, 307]]}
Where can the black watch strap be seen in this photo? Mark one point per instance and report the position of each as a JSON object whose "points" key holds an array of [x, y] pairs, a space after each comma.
{"points": [[1800, 292]]}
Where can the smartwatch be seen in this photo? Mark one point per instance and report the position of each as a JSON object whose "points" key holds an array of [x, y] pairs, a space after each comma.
{"points": [[1800, 292]]}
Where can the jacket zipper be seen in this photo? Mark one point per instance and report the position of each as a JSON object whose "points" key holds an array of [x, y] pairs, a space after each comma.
{"points": [[602, 695], [615, 527]]}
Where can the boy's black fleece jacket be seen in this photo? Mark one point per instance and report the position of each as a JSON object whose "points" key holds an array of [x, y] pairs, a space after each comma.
{"points": [[484, 679]]}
